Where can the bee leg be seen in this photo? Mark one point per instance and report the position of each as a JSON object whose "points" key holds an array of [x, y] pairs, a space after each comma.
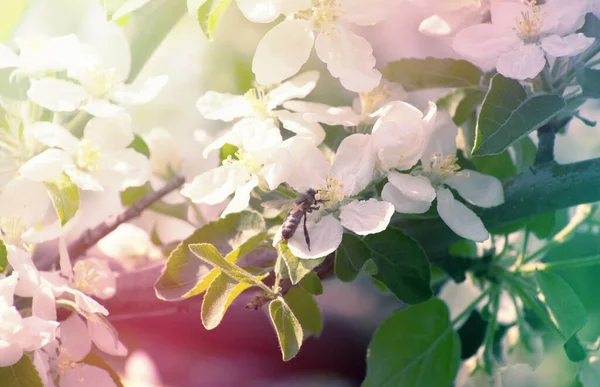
{"points": [[306, 233]]}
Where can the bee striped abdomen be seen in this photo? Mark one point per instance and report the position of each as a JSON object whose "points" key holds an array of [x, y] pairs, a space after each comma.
{"points": [[290, 224]]}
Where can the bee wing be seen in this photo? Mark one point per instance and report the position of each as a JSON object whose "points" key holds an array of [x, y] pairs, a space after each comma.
{"points": [[278, 204]]}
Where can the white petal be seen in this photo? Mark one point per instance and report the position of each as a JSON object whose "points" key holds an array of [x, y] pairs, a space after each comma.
{"points": [[56, 94], [354, 163], [435, 25], [47, 166], [459, 218], [223, 106], [441, 138], [358, 12], [298, 87], [507, 312], [570, 45], [398, 144], [25, 199], [309, 166], [241, 197], [83, 180], [39, 332], [129, 169], [515, 375], [53, 135], [282, 51], [84, 374], [105, 338], [74, 337], [139, 93], [325, 237], [7, 289], [349, 57], [10, 353], [329, 115], [477, 188], [414, 187], [459, 296], [524, 63], [402, 203], [295, 122], [258, 136], [260, 11], [214, 186], [43, 304], [109, 133], [289, 7], [482, 44], [563, 17], [277, 170], [101, 108], [8, 58], [366, 217], [232, 137]]}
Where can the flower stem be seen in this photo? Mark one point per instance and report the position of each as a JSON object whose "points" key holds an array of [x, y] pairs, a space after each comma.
{"points": [[488, 344], [580, 262]]}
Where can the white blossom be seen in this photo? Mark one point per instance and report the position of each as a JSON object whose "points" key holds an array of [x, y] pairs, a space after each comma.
{"points": [[522, 36], [322, 23], [448, 17]]}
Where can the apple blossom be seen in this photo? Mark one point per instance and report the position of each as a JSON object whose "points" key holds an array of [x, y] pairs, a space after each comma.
{"points": [[448, 17], [259, 104], [337, 188], [471, 374], [413, 193], [285, 48], [100, 160], [522, 36], [522, 348]]}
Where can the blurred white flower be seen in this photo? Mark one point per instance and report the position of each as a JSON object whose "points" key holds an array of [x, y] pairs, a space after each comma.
{"points": [[337, 185], [260, 104], [471, 375], [522, 348], [100, 160], [515, 375], [522, 36], [286, 47], [413, 193], [140, 371], [589, 373], [448, 17]]}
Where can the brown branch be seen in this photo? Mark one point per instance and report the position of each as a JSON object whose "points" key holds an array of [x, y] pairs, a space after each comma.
{"points": [[92, 235]]}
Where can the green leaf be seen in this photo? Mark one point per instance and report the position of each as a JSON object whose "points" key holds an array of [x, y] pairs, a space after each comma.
{"points": [[432, 73], [226, 151], [589, 80], [508, 114], [591, 28], [468, 106], [415, 347], [567, 312], [312, 283], [500, 166], [209, 254], [127, 8], [574, 350], [210, 14], [289, 331], [10, 14], [297, 267], [306, 310], [65, 197], [133, 194], [185, 275], [139, 145], [350, 257], [525, 150], [20, 374], [96, 360], [219, 295], [3, 256], [403, 265], [542, 225]]}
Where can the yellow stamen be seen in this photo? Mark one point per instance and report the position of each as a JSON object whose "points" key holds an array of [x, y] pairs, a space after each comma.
{"points": [[88, 156], [529, 25], [330, 194]]}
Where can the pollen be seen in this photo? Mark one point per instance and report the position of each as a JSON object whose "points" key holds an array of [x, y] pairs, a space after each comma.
{"points": [[259, 100], [325, 14], [529, 25], [440, 169], [12, 229], [88, 156], [374, 99], [244, 160], [100, 81], [87, 276], [330, 194]]}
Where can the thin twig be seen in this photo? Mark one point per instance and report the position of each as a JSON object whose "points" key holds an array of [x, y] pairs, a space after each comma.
{"points": [[91, 236]]}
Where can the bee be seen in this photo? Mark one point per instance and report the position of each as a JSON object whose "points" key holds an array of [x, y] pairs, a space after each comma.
{"points": [[305, 203]]}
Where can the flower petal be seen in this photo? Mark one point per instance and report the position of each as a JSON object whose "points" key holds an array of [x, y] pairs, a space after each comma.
{"points": [[477, 188], [309, 166], [43, 304], [7, 289], [126, 168], [402, 203], [223, 106], [458, 297], [277, 170], [459, 217], [325, 237], [354, 163], [109, 133], [356, 12], [82, 179], [258, 136], [8, 58], [82, 374], [295, 122], [524, 63], [413, 187], [260, 11], [10, 353], [105, 338], [56, 95], [570, 45], [349, 57], [47, 166], [329, 115], [298, 87], [25, 199], [241, 197], [440, 139], [282, 51], [366, 217], [53, 135], [101, 108], [139, 93], [483, 44], [214, 186]]}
